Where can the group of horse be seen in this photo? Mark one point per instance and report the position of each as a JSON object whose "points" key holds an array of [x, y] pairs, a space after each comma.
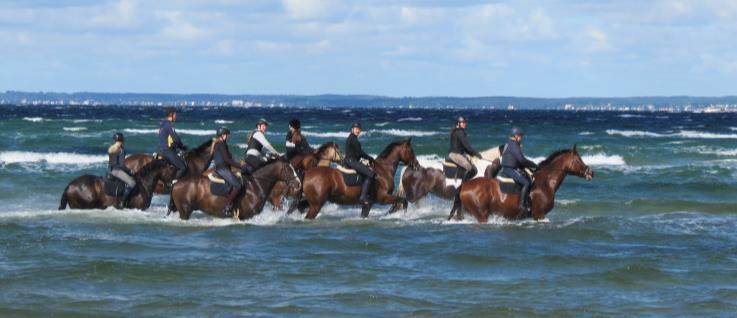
{"points": [[311, 181]]}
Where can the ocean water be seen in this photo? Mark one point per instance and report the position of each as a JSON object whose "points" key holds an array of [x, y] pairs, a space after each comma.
{"points": [[654, 234]]}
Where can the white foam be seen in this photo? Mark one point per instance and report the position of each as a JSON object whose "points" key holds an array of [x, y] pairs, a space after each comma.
{"points": [[8, 157], [223, 121], [382, 124], [79, 121], [409, 119], [630, 116], [586, 133], [326, 134], [602, 159], [195, 132], [74, 128], [712, 151], [34, 119], [733, 128], [403, 133], [689, 134]]}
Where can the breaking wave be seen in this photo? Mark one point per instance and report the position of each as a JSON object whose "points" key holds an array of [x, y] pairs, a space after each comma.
{"points": [[74, 128], [409, 119], [34, 119], [194, 132], [223, 121], [8, 157], [690, 134]]}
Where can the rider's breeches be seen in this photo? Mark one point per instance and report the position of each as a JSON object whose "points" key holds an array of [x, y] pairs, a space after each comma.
{"points": [[516, 176], [176, 161], [122, 176], [360, 168], [229, 178], [461, 161]]}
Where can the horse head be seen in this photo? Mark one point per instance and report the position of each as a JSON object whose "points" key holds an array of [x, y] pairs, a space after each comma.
{"points": [[401, 151], [289, 175], [330, 151], [577, 167]]}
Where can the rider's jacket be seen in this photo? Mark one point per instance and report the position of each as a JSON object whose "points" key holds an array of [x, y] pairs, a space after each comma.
{"points": [[221, 156], [512, 156], [459, 143], [257, 143], [116, 158], [353, 149], [168, 138]]}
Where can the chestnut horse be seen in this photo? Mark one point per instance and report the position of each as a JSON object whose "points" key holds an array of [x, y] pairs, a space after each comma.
{"points": [[323, 156], [322, 184], [193, 193], [197, 160], [482, 196], [86, 192]]}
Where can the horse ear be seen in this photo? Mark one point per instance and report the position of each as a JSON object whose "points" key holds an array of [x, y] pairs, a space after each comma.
{"points": [[575, 148], [409, 140]]}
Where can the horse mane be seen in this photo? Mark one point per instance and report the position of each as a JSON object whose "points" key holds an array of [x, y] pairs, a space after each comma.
{"points": [[149, 167], [389, 148], [324, 147], [553, 156], [204, 148]]}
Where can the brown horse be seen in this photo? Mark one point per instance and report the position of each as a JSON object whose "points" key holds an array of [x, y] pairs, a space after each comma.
{"points": [[322, 184], [322, 157], [86, 192], [482, 196], [197, 160], [416, 184], [193, 193]]}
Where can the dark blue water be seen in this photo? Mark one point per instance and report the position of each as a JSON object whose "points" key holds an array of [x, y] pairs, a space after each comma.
{"points": [[652, 235]]}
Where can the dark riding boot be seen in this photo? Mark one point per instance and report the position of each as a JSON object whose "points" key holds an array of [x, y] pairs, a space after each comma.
{"points": [[123, 203], [470, 174], [524, 200], [228, 210], [364, 198]]}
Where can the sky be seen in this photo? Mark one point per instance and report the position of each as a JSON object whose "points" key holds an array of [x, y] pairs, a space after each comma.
{"points": [[553, 48]]}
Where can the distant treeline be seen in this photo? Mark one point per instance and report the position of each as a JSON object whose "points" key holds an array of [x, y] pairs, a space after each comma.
{"points": [[330, 100]]}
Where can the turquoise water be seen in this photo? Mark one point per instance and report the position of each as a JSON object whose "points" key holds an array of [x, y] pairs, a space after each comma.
{"points": [[654, 234]]}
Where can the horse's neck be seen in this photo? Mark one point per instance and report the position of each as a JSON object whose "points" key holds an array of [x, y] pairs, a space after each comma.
{"points": [[551, 177], [198, 163], [146, 185], [264, 183], [388, 166]]}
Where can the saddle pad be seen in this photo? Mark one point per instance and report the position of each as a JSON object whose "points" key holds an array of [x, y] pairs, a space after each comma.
{"points": [[219, 189], [113, 187], [214, 177], [502, 179], [345, 170], [352, 179], [449, 164], [453, 172]]}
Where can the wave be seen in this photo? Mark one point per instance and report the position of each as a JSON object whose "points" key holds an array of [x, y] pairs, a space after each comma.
{"points": [[409, 119], [195, 132], [74, 128], [733, 128], [602, 159], [689, 134], [8, 157], [404, 133], [712, 151], [586, 133], [34, 119], [381, 124], [326, 134], [79, 121], [223, 121], [631, 116]]}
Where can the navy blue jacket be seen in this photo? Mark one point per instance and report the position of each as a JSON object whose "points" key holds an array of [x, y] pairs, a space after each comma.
{"points": [[512, 157], [168, 138]]}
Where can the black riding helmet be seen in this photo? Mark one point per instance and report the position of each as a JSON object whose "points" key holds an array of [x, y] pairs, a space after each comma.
{"points": [[223, 131], [118, 137], [294, 123], [356, 125]]}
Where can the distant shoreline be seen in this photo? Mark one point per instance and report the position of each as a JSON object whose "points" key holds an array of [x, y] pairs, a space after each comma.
{"points": [[717, 104]]}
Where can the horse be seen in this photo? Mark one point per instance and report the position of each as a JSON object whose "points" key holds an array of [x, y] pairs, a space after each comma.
{"points": [[87, 191], [321, 157], [322, 184], [193, 193], [197, 160], [483, 196], [416, 184]]}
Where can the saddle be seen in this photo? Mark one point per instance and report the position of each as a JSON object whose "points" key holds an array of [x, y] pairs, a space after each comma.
{"points": [[113, 186], [452, 170], [350, 177], [507, 185], [218, 186]]}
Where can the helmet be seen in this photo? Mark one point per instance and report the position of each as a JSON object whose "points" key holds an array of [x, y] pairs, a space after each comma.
{"points": [[461, 119], [223, 131], [516, 131], [262, 122], [294, 123], [118, 137], [169, 111], [356, 125]]}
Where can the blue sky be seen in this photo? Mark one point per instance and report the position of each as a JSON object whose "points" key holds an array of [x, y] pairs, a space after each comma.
{"points": [[384, 47]]}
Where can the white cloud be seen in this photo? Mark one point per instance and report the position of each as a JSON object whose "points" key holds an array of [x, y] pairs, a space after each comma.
{"points": [[596, 40], [179, 28], [310, 9]]}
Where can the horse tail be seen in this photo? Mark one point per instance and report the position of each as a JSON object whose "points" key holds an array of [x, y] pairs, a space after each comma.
{"points": [[400, 190], [63, 203]]}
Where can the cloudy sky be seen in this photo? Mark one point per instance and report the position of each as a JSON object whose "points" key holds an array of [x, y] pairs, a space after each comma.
{"points": [[386, 47]]}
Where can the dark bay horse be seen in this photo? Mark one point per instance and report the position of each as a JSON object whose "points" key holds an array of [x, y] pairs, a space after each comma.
{"points": [[323, 156], [482, 196], [197, 160], [86, 192], [322, 184], [193, 193]]}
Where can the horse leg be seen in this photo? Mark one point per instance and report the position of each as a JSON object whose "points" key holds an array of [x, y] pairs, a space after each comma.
{"points": [[171, 207], [365, 209], [456, 206], [312, 212], [295, 203]]}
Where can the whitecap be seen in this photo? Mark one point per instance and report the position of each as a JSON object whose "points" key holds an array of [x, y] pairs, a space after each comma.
{"points": [[8, 157], [633, 133], [381, 124], [74, 128], [712, 151], [586, 133], [409, 119], [34, 119], [195, 132], [602, 159], [630, 116], [326, 134], [403, 133], [223, 121], [79, 121], [689, 134]]}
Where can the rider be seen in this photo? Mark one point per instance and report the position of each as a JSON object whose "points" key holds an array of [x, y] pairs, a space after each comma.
{"points": [[117, 168], [513, 159], [223, 161], [459, 147], [296, 148], [353, 154], [256, 143], [169, 142]]}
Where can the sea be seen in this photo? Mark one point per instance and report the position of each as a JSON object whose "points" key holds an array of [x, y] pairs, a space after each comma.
{"points": [[654, 233]]}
